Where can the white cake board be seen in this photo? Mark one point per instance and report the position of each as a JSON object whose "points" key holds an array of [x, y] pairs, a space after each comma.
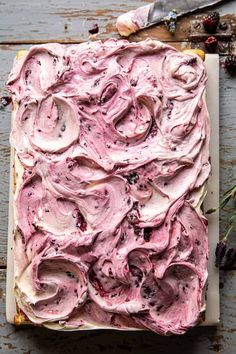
{"points": [[212, 314]]}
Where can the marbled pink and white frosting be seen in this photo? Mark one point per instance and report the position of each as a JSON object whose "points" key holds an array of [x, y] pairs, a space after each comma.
{"points": [[114, 140]]}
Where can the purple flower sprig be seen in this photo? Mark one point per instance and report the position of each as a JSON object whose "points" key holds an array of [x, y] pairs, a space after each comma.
{"points": [[225, 256], [220, 253], [230, 257]]}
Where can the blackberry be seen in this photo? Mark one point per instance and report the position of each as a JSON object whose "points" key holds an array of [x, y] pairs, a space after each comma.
{"points": [[211, 44], [211, 21], [94, 29]]}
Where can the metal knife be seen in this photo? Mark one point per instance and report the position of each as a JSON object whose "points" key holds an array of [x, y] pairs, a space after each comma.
{"points": [[156, 13]]}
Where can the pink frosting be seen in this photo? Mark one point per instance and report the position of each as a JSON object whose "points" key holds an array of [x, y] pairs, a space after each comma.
{"points": [[114, 140]]}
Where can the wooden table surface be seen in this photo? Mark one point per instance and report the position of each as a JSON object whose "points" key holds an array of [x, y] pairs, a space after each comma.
{"points": [[26, 22]]}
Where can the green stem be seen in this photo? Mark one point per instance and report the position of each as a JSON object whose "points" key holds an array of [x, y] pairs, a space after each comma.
{"points": [[224, 239]]}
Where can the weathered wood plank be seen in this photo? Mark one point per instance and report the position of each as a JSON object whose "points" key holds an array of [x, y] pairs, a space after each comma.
{"points": [[69, 21], [64, 21], [22, 340], [227, 139], [182, 30]]}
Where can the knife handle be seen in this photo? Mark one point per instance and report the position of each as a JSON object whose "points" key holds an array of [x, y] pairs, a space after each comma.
{"points": [[132, 21]]}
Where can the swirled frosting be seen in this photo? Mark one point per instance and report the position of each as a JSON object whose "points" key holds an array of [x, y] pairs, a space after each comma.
{"points": [[114, 141]]}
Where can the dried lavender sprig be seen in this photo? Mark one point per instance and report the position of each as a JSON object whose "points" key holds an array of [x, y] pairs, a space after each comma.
{"points": [[230, 257], [219, 253]]}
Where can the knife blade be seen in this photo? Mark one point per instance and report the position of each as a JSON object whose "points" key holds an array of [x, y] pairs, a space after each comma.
{"points": [[156, 13], [161, 8]]}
